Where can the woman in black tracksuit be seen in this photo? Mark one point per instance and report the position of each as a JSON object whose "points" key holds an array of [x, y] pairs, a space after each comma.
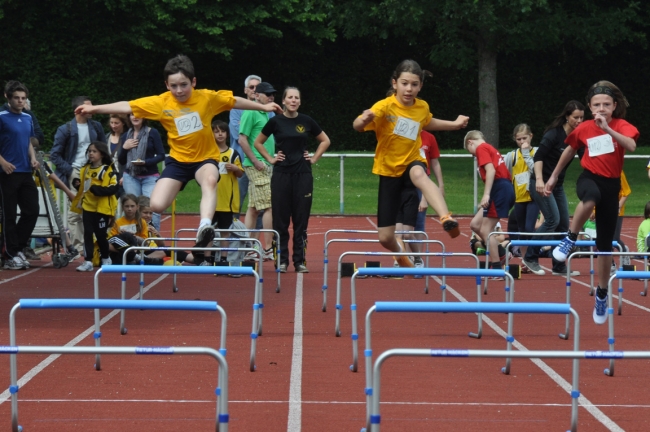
{"points": [[292, 183]]}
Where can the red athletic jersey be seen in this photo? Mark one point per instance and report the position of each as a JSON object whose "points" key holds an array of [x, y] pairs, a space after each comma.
{"points": [[486, 154], [429, 148], [607, 165]]}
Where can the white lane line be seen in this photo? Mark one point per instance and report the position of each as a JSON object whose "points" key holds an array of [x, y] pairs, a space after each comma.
{"points": [[371, 222], [628, 236], [25, 273], [566, 386], [185, 401], [90, 330], [295, 387]]}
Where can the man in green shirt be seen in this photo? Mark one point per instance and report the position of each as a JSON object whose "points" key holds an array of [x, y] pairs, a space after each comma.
{"points": [[256, 167]]}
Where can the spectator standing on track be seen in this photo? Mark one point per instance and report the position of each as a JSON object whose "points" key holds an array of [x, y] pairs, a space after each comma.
{"points": [[18, 160], [140, 152], [554, 206], [96, 201], [186, 115], [605, 139], [397, 122], [258, 169], [498, 196], [68, 154], [292, 184], [520, 165]]}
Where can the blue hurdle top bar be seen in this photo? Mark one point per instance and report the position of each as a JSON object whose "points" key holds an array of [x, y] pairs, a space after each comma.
{"points": [[399, 271], [157, 269], [541, 308], [194, 305]]}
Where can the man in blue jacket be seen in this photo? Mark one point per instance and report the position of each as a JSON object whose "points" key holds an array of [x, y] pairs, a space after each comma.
{"points": [[68, 154]]}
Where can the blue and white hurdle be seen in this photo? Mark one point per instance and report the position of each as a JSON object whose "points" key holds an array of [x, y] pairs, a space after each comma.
{"points": [[372, 386], [196, 270], [360, 240], [375, 416], [221, 391], [443, 285], [610, 309], [476, 273], [254, 240], [97, 350]]}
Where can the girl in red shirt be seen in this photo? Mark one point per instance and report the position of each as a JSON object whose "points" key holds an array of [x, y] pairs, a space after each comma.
{"points": [[605, 139]]}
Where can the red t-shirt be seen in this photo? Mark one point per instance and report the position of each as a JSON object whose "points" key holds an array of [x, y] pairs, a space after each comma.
{"points": [[486, 154], [429, 148], [607, 165]]}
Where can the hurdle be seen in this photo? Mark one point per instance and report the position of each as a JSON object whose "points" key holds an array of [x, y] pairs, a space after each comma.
{"points": [[477, 273], [620, 268], [359, 240], [149, 269], [529, 242], [375, 416], [222, 416], [443, 286], [440, 307], [275, 233], [610, 310]]}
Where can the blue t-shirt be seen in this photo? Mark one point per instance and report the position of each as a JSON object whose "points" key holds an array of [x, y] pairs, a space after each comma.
{"points": [[15, 131]]}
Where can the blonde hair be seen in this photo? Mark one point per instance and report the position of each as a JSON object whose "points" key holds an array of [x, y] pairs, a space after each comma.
{"points": [[472, 135], [521, 128]]}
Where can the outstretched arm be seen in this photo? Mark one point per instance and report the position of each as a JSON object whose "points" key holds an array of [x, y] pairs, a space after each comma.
{"points": [[447, 125], [113, 108], [245, 104]]}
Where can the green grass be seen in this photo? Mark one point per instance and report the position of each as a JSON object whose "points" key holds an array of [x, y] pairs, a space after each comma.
{"points": [[361, 186]]}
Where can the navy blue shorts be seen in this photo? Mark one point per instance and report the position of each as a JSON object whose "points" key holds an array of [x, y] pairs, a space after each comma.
{"points": [[184, 172], [502, 198]]}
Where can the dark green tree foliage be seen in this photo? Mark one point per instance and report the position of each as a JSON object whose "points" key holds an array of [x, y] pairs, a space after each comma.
{"points": [[470, 34]]}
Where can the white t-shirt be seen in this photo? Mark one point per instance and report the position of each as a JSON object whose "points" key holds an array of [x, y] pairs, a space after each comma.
{"points": [[84, 141]]}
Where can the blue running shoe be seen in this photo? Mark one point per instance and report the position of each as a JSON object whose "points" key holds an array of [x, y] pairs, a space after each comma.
{"points": [[561, 251], [600, 310]]}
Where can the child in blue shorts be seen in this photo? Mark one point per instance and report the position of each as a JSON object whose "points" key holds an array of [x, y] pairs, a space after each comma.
{"points": [[499, 194]]}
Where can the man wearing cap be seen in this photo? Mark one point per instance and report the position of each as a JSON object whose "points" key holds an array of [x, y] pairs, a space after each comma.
{"points": [[256, 167]]}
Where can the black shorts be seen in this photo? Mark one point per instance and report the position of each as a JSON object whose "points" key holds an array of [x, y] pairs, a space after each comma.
{"points": [[392, 198], [184, 172], [408, 210], [604, 192], [222, 219]]}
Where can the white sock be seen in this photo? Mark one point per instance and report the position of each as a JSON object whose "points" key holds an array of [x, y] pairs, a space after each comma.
{"points": [[205, 221]]}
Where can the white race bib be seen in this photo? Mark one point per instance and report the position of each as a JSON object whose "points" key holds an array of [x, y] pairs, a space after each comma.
{"points": [[222, 168], [406, 128], [87, 184], [188, 124], [130, 228], [600, 145], [523, 178]]}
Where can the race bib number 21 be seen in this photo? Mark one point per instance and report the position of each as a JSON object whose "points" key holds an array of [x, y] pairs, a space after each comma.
{"points": [[188, 124]]}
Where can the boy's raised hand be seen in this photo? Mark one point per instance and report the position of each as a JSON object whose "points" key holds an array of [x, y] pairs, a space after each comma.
{"points": [[84, 109], [273, 107], [461, 122]]}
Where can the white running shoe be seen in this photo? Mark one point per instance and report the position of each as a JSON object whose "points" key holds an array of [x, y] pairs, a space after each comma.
{"points": [[85, 266]]}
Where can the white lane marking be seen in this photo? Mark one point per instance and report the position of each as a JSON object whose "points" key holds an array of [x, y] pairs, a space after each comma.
{"points": [[628, 236], [182, 401], [295, 386], [90, 330], [566, 386], [371, 222], [25, 273]]}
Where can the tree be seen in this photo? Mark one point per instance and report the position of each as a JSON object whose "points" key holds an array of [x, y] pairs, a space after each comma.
{"points": [[471, 33]]}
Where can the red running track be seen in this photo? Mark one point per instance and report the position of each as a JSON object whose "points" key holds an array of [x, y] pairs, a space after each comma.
{"points": [[312, 388]]}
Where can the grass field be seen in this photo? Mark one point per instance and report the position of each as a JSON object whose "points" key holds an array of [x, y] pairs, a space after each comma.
{"points": [[361, 186]]}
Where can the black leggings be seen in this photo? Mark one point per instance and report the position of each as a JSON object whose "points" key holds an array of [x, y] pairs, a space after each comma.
{"points": [[95, 223], [604, 192]]}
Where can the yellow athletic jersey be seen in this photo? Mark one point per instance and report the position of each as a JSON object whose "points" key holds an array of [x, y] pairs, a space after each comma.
{"points": [[129, 225], [228, 186], [521, 177], [625, 191], [188, 124], [103, 176], [397, 128]]}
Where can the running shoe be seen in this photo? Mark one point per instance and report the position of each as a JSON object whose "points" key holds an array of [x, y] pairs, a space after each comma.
{"points": [[30, 254], [205, 236], [268, 254], [14, 263], [301, 268], [600, 310], [23, 258], [450, 225], [85, 266], [418, 264], [403, 260], [107, 261], [283, 268], [625, 260], [562, 272], [562, 251], [534, 267]]}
